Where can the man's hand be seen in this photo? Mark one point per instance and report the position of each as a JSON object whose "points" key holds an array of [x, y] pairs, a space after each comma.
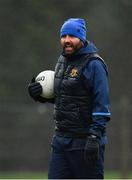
{"points": [[91, 150], [34, 89]]}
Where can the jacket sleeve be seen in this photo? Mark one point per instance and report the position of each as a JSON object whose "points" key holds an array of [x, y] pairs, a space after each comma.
{"points": [[96, 78]]}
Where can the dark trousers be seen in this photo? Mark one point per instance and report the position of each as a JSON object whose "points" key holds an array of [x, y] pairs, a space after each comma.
{"points": [[67, 160]]}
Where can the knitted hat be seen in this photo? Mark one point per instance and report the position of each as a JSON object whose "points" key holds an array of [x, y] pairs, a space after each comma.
{"points": [[75, 27]]}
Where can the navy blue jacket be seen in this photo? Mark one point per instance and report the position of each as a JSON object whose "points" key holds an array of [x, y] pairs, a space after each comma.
{"points": [[95, 74]]}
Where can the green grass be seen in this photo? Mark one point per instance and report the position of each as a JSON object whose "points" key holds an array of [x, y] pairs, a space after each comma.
{"points": [[42, 175], [23, 175], [116, 175]]}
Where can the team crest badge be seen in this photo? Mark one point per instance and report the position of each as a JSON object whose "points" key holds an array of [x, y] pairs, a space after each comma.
{"points": [[74, 72]]}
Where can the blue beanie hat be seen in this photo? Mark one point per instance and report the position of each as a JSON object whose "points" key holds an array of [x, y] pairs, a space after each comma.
{"points": [[75, 27]]}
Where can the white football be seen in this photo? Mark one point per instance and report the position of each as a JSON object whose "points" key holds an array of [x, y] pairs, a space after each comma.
{"points": [[46, 79]]}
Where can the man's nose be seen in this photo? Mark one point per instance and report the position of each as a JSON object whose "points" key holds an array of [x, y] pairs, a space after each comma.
{"points": [[67, 38]]}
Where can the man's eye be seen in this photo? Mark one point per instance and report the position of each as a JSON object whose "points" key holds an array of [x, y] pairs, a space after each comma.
{"points": [[63, 36]]}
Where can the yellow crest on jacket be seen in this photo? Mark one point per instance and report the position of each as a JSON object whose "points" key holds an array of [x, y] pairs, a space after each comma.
{"points": [[74, 72]]}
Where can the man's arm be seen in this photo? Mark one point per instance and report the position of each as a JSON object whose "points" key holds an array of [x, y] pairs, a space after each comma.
{"points": [[96, 78]]}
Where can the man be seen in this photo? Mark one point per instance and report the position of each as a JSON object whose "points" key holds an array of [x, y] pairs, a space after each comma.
{"points": [[81, 109]]}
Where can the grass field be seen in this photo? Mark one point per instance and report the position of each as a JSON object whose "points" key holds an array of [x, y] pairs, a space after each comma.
{"points": [[40, 175], [23, 175]]}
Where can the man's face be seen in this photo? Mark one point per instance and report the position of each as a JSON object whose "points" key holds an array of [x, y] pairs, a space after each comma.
{"points": [[70, 44]]}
